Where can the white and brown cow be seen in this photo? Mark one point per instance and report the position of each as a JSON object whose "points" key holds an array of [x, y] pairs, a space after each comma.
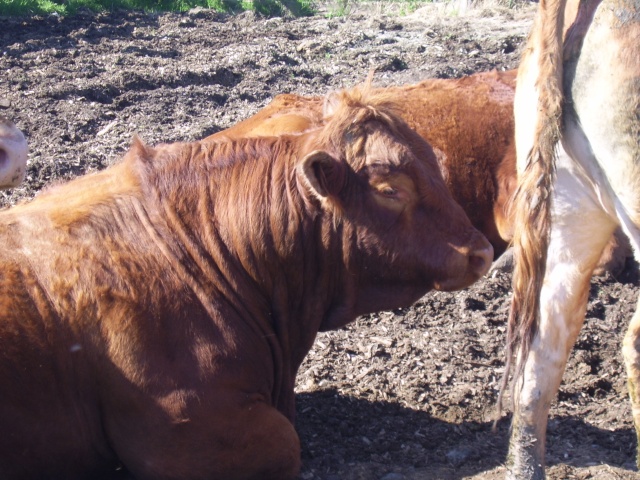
{"points": [[13, 155], [577, 111]]}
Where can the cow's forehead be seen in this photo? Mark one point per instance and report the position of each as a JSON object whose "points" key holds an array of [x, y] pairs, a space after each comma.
{"points": [[383, 147]]}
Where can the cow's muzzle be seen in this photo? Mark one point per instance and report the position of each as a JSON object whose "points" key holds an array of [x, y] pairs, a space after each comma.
{"points": [[476, 261]]}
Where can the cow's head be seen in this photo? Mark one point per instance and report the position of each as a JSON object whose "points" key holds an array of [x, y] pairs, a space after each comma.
{"points": [[13, 155], [382, 184]]}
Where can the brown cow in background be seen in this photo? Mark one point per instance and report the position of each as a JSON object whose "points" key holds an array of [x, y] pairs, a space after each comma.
{"points": [[13, 155], [469, 123], [153, 316]]}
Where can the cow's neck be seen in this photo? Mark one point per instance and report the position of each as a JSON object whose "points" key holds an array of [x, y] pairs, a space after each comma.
{"points": [[287, 248], [246, 232]]}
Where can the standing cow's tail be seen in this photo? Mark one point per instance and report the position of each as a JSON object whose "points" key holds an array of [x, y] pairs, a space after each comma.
{"points": [[536, 173]]}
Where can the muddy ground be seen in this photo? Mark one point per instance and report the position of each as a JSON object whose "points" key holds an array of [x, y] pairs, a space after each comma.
{"points": [[407, 394]]}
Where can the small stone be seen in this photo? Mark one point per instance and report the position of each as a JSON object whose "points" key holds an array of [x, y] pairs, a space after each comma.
{"points": [[393, 476], [458, 456], [503, 264]]}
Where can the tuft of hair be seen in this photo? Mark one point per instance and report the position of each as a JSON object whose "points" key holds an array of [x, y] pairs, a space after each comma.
{"points": [[346, 111], [376, 103], [532, 199]]}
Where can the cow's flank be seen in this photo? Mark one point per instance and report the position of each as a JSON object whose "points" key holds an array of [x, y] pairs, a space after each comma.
{"points": [[153, 316]]}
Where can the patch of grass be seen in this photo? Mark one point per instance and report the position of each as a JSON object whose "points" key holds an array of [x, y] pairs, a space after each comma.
{"points": [[341, 8], [271, 8], [410, 6], [70, 7], [278, 8]]}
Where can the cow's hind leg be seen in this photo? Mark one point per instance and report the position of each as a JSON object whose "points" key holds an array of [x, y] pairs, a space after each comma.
{"points": [[605, 92], [266, 447], [631, 352], [579, 233]]}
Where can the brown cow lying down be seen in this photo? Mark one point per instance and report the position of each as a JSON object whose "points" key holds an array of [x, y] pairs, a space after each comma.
{"points": [[153, 316], [13, 155], [468, 122]]}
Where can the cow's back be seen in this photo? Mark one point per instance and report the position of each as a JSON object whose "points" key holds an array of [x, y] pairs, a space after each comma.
{"points": [[287, 113]]}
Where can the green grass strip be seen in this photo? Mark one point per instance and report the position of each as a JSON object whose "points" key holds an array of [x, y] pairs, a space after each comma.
{"points": [[69, 7]]}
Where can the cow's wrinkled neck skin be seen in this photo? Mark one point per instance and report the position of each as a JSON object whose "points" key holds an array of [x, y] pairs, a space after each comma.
{"points": [[249, 229]]}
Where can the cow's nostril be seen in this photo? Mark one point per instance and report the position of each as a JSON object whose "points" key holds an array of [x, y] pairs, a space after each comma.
{"points": [[480, 260], [475, 265]]}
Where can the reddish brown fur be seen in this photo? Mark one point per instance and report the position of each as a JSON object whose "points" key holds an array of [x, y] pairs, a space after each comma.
{"points": [[154, 315]]}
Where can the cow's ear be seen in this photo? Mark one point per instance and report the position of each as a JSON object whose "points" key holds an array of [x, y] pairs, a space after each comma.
{"points": [[331, 103], [323, 174], [138, 150]]}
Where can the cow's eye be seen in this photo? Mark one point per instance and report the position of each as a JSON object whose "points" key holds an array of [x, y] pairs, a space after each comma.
{"points": [[389, 192]]}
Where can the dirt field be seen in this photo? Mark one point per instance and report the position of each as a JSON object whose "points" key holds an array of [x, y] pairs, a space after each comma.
{"points": [[401, 395]]}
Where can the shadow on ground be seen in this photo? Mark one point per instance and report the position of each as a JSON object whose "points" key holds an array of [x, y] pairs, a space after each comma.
{"points": [[388, 438]]}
